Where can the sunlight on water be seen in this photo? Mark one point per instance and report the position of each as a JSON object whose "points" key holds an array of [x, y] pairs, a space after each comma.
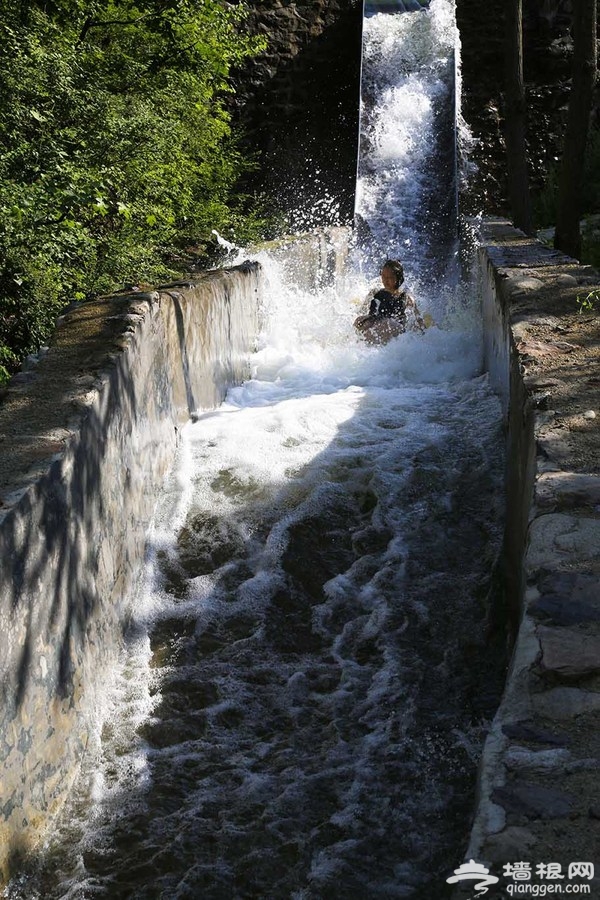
{"points": [[277, 727], [317, 575]]}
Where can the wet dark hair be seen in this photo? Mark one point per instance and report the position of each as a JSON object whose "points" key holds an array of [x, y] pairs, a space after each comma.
{"points": [[397, 268]]}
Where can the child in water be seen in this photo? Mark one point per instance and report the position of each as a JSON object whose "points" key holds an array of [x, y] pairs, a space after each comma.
{"points": [[387, 316]]}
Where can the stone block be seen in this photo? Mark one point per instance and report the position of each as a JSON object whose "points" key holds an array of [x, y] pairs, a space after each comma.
{"points": [[521, 758], [533, 801], [578, 586], [566, 490], [511, 843], [564, 703], [557, 540], [530, 733], [562, 609], [567, 654], [554, 446]]}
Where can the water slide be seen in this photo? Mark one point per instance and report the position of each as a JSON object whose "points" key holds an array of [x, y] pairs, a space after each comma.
{"points": [[406, 194], [297, 711]]}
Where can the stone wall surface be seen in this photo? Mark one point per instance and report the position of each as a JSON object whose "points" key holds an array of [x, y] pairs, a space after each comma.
{"points": [[289, 27], [307, 150], [539, 784], [547, 50], [87, 438]]}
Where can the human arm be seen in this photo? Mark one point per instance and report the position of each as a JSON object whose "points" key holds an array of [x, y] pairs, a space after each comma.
{"points": [[367, 318], [413, 310]]}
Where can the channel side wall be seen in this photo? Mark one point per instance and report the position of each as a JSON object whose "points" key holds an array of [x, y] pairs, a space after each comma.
{"points": [[87, 438], [539, 780]]}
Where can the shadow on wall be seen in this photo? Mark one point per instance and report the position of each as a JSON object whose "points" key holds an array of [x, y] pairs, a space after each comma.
{"points": [[57, 612], [51, 523], [94, 433], [185, 361], [330, 708]]}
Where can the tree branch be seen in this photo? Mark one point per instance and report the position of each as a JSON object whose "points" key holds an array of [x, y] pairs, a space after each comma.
{"points": [[97, 23]]}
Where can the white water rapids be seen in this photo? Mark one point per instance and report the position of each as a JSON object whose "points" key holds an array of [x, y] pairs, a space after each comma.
{"points": [[302, 699]]}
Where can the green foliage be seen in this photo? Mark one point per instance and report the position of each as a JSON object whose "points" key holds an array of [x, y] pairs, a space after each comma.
{"points": [[116, 152], [587, 303]]}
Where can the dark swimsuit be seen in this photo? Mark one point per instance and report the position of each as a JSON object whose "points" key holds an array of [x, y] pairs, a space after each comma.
{"points": [[385, 306]]}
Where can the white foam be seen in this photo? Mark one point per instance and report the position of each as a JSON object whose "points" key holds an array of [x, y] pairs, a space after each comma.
{"points": [[323, 419], [408, 71]]}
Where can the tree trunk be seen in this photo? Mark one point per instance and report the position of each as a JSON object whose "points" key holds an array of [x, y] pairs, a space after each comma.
{"points": [[571, 180], [515, 123]]}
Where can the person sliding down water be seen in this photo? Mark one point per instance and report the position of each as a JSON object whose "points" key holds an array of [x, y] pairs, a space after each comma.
{"points": [[390, 308]]}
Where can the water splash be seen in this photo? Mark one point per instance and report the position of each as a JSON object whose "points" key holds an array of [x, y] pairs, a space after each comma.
{"points": [[406, 203], [281, 723]]}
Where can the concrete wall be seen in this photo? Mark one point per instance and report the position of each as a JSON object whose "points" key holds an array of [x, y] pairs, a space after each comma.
{"points": [[87, 439], [539, 791]]}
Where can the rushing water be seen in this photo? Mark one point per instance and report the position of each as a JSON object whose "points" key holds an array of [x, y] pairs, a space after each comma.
{"points": [[407, 171], [304, 692]]}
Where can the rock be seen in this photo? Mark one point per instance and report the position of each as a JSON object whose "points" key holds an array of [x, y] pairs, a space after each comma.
{"points": [[526, 731], [537, 348], [568, 654], [556, 539], [577, 585], [543, 415], [562, 610], [22, 378], [540, 382], [547, 321], [512, 843], [533, 801], [540, 760], [553, 446], [589, 764], [566, 280], [567, 489], [527, 283], [566, 702]]}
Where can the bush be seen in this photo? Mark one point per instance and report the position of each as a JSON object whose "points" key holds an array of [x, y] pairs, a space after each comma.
{"points": [[117, 154]]}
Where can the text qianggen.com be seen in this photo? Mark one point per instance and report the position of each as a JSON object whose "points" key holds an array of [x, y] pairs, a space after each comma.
{"points": [[543, 890]]}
